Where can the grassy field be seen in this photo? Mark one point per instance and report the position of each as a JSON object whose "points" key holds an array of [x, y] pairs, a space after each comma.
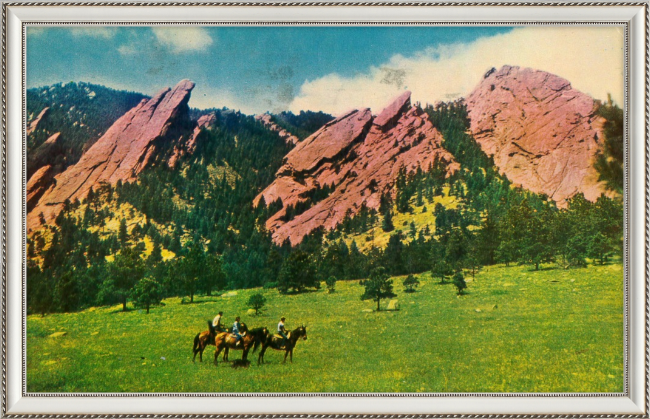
{"points": [[516, 330]]}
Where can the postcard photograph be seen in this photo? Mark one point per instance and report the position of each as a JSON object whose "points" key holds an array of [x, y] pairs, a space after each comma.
{"points": [[325, 209]]}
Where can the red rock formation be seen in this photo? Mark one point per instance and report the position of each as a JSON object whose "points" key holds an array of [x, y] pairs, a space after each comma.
{"points": [[44, 154], [34, 124], [358, 156], [122, 152], [542, 133], [205, 121], [266, 120], [37, 184]]}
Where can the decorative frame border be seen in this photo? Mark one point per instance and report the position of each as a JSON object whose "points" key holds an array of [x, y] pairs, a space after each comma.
{"points": [[3, 188]]}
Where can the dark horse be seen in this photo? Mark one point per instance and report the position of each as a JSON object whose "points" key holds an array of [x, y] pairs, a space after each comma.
{"points": [[275, 342], [253, 339], [203, 339]]}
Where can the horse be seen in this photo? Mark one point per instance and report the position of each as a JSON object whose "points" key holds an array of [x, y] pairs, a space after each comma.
{"points": [[253, 338], [275, 342], [205, 338]]}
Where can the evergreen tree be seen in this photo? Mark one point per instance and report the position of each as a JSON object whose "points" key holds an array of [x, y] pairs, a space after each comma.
{"points": [[123, 235], [146, 292], [459, 282], [441, 269], [387, 223], [410, 283], [599, 247], [125, 271], [297, 273], [379, 286], [256, 302], [190, 268]]}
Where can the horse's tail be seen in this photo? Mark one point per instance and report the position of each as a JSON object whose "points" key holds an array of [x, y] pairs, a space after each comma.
{"points": [[258, 340], [196, 342]]}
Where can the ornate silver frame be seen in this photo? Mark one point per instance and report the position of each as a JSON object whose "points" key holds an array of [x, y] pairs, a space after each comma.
{"points": [[634, 171]]}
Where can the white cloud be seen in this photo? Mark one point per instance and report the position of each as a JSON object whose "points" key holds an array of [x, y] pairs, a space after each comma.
{"points": [[128, 49], [591, 58], [183, 38], [105, 32]]}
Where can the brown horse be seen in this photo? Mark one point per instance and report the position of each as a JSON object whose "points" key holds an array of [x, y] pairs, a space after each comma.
{"points": [[205, 338], [252, 339], [275, 342]]}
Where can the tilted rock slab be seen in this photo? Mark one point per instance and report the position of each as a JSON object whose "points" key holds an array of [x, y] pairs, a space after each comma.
{"points": [[33, 126], [121, 153], [266, 120], [37, 184], [204, 122], [45, 154], [542, 133], [360, 156]]}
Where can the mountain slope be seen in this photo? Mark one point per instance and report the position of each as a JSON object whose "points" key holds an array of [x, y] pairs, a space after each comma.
{"points": [[356, 158], [122, 152]]}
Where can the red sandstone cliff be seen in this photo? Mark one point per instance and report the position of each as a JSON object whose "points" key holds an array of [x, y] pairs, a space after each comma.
{"points": [[122, 152], [542, 133], [357, 154]]}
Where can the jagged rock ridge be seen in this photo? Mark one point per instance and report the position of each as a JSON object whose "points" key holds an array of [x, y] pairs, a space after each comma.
{"points": [[542, 133], [359, 156], [180, 149], [267, 121], [128, 146], [35, 123]]}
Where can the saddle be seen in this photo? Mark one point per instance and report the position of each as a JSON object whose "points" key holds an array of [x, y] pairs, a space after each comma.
{"points": [[232, 338], [280, 339]]}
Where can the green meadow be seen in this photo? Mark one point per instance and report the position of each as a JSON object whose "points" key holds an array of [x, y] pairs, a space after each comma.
{"points": [[516, 330]]}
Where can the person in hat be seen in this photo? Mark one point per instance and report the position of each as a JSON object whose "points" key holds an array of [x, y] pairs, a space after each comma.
{"points": [[282, 331], [235, 331]]}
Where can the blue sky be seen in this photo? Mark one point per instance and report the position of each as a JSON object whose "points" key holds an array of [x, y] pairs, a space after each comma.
{"points": [[259, 69]]}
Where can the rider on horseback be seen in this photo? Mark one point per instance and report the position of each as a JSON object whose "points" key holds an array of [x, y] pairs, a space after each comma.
{"points": [[235, 331], [282, 331], [216, 323]]}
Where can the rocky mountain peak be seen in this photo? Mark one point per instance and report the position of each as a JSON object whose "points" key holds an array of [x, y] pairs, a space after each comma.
{"points": [[542, 133], [357, 157], [126, 148]]}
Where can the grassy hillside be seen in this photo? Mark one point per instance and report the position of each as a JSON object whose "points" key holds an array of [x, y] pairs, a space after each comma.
{"points": [[516, 330]]}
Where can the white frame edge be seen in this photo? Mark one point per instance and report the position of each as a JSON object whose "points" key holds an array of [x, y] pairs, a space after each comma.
{"points": [[635, 404]]}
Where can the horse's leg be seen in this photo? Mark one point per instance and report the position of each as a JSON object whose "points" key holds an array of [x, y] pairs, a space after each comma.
{"points": [[291, 355], [216, 355], [260, 358], [202, 348], [285, 356], [225, 354]]}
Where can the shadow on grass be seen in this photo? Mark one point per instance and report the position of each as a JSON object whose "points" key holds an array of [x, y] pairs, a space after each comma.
{"points": [[299, 292]]}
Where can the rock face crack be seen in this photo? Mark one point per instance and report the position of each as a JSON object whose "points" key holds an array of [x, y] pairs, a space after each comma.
{"points": [[558, 135], [126, 148], [360, 157]]}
